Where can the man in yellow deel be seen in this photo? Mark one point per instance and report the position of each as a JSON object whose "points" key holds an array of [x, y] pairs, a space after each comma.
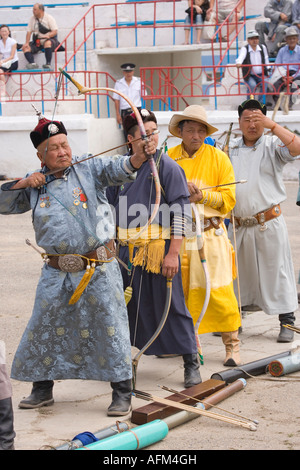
{"points": [[206, 166]]}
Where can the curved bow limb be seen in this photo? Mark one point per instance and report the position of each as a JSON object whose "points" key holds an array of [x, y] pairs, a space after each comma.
{"points": [[157, 332], [82, 90], [200, 247]]}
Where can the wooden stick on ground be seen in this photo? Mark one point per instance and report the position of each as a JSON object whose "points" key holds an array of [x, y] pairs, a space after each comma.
{"points": [[192, 409], [208, 403]]}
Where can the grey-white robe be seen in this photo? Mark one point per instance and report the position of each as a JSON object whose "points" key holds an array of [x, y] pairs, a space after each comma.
{"points": [[265, 264]]}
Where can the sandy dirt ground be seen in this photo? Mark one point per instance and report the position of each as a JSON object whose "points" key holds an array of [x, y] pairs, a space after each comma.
{"points": [[81, 405]]}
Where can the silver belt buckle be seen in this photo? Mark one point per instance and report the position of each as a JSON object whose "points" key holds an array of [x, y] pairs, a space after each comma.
{"points": [[262, 219], [205, 224], [101, 253], [248, 221], [219, 231], [70, 263]]}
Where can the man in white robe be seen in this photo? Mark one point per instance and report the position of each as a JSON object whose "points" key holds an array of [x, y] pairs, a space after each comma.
{"points": [[266, 272]]}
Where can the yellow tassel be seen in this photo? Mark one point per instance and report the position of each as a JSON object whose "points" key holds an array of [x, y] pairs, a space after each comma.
{"points": [[130, 250], [153, 253], [83, 283], [128, 294]]}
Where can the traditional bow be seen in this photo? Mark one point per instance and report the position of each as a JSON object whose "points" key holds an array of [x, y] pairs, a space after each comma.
{"points": [[226, 150], [83, 90], [157, 332], [200, 247]]}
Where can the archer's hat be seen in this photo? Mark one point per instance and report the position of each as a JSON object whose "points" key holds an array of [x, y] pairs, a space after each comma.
{"points": [[191, 113], [252, 104], [128, 67], [46, 129], [130, 120]]}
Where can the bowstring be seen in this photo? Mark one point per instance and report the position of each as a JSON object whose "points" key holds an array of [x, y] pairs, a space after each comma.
{"points": [[60, 77], [141, 279], [59, 84], [84, 226]]}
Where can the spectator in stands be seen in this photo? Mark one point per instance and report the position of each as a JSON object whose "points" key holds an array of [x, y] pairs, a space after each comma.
{"points": [[280, 14], [296, 14], [196, 10], [287, 71], [255, 55], [43, 28], [9, 59], [131, 87], [221, 9]]}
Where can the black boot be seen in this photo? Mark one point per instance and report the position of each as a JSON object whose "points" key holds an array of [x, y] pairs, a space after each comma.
{"points": [[286, 335], [191, 370], [7, 433], [41, 395], [121, 398]]}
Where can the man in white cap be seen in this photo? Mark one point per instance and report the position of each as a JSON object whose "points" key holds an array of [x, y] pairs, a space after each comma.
{"points": [[256, 57], [287, 60], [207, 166], [131, 87]]}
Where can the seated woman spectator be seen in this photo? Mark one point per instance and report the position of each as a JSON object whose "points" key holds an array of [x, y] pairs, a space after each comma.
{"points": [[197, 10], [9, 56]]}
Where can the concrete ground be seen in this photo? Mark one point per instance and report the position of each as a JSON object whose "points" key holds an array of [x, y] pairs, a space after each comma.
{"points": [[81, 405]]}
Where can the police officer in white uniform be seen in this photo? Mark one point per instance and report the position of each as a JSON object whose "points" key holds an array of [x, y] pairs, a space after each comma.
{"points": [[131, 87]]}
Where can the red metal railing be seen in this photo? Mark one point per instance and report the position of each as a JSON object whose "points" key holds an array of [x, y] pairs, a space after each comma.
{"points": [[43, 87], [168, 88], [178, 86], [223, 30]]}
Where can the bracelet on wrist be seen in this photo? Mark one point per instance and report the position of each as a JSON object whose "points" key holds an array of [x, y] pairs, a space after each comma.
{"points": [[273, 127]]}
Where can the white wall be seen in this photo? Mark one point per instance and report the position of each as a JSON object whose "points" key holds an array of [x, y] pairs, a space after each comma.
{"points": [[85, 134], [89, 135]]}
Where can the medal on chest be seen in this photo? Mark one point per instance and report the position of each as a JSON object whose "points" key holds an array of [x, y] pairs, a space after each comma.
{"points": [[44, 201], [79, 198]]}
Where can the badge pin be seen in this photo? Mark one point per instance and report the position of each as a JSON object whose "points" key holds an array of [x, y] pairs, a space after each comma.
{"points": [[219, 231]]}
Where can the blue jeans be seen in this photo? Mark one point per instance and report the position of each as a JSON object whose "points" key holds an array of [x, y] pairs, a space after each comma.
{"points": [[198, 21], [253, 81]]}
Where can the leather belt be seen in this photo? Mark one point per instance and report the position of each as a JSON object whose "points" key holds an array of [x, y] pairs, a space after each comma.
{"points": [[259, 218], [75, 262], [212, 222]]}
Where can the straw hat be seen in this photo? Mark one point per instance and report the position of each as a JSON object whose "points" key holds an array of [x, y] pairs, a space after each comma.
{"points": [[191, 113]]}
